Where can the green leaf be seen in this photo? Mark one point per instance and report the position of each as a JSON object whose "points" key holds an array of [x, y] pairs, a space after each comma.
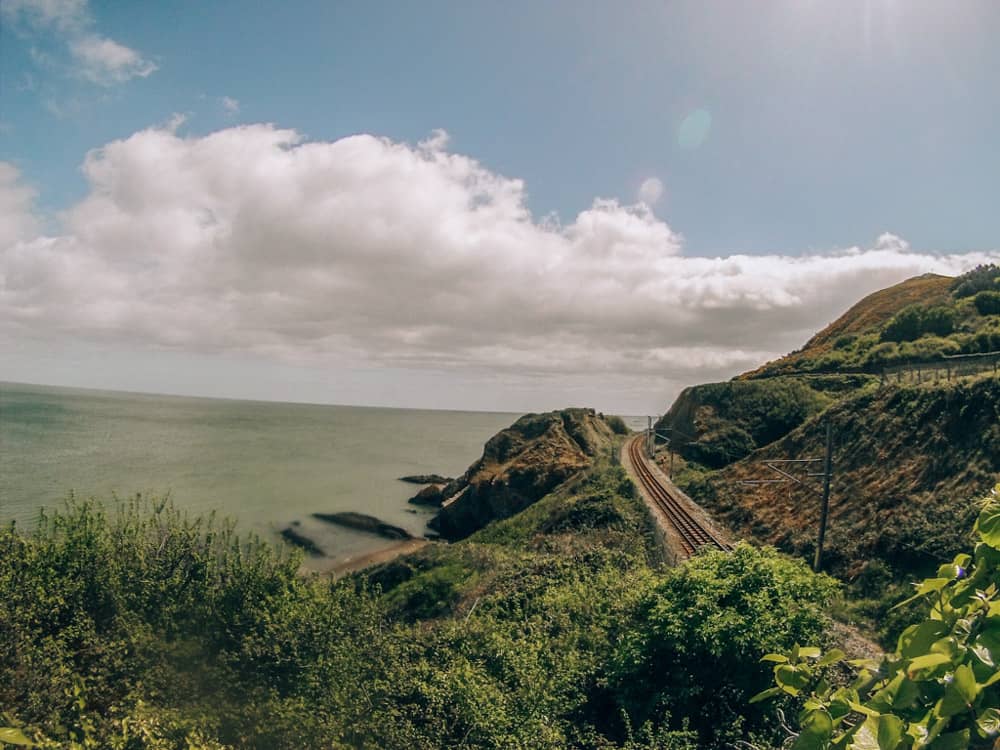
{"points": [[900, 693], [809, 652], [13, 736], [988, 525], [778, 658], [927, 661], [815, 731], [959, 694], [890, 732], [790, 679], [831, 657], [917, 639], [765, 694], [989, 722]]}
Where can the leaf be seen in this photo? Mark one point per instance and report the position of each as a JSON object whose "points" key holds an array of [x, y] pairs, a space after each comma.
{"points": [[890, 732], [13, 736], [775, 658], [765, 694], [809, 652], [927, 661], [832, 656], [917, 639], [989, 722], [790, 679], [815, 731], [988, 525], [900, 693], [959, 694]]}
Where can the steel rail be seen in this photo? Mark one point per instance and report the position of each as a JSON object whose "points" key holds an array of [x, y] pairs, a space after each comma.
{"points": [[693, 535]]}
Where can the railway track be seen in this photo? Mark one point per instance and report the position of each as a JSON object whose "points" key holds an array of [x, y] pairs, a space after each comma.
{"points": [[693, 535]]}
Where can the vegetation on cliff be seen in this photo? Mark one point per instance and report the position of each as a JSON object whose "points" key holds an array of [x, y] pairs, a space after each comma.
{"points": [[921, 319]]}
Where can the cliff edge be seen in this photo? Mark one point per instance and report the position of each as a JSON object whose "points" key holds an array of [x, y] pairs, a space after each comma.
{"points": [[522, 464]]}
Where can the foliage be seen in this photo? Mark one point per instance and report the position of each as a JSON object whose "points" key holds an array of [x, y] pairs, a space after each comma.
{"points": [[693, 648], [987, 303], [980, 278], [938, 689], [915, 321], [141, 628], [617, 424], [719, 423]]}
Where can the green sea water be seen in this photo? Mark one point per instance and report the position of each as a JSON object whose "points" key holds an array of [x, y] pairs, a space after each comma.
{"points": [[264, 464]]}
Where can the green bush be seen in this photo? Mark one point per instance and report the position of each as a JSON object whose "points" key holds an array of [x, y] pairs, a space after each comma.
{"points": [[987, 303], [693, 648], [915, 321], [980, 278]]}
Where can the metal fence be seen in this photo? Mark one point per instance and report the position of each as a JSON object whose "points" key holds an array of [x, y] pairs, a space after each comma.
{"points": [[946, 368]]}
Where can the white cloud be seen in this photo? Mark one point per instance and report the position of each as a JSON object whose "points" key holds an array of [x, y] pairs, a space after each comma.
{"points": [[364, 251], [95, 58], [230, 105], [650, 191], [17, 218], [107, 62]]}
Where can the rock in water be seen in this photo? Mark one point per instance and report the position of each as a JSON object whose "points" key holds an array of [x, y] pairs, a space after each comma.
{"points": [[291, 536], [425, 479], [362, 522], [432, 495]]}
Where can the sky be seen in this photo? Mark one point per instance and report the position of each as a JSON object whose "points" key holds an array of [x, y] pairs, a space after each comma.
{"points": [[517, 206]]}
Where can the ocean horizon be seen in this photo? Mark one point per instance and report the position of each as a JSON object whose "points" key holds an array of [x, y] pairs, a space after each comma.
{"points": [[264, 464]]}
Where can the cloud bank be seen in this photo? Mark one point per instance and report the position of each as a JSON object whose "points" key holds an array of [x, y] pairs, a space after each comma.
{"points": [[368, 252]]}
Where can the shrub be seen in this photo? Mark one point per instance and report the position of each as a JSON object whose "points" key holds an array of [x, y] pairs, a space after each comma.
{"points": [[980, 278], [693, 649], [987, 303], [915, 321]]}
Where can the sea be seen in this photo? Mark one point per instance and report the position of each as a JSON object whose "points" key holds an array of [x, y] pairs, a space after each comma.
{"points": [[266, 465]]}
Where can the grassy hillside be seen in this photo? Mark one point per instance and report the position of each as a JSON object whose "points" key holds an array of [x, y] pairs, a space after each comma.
{"points": [[908, 462], [920, 319]]}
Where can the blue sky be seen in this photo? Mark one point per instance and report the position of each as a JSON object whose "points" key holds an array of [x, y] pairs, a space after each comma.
{"points": [[784, 128]]}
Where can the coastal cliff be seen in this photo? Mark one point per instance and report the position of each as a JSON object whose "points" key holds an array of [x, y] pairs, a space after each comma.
{"points": [[521, 464]]}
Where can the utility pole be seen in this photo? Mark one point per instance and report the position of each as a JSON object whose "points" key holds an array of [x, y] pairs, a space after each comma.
{"points": [[649, 437], [823, 492], [825, 507]]}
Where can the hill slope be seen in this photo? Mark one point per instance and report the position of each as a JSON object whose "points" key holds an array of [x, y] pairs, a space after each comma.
{"points": [[909, 455], [908, 463]]}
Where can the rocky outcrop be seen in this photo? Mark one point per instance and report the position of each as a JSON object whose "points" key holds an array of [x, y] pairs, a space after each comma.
{"points": [[432, 495], [520, 465], [362, 522]]}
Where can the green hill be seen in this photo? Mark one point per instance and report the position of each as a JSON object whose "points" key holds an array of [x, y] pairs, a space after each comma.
{"points": [[909, 454], [921, 319]]}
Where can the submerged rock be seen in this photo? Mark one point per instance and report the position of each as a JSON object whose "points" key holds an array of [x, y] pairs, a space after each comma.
{"points": [[426, 479], [293, 537], [362, 522]]}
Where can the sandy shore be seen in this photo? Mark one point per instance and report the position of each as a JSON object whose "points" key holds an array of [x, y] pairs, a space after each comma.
{"points": [[386, 554]]}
